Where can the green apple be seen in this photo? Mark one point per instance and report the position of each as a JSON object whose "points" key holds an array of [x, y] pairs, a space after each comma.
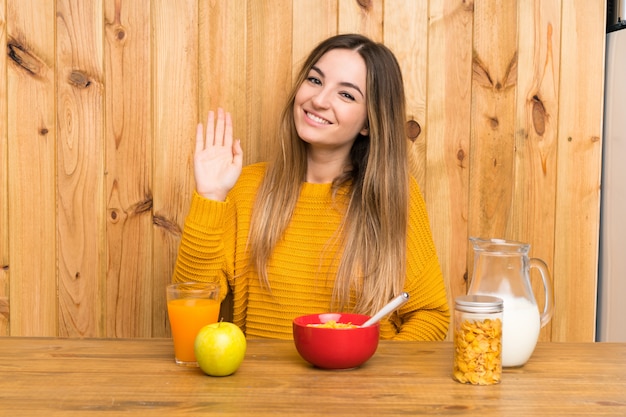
{"points": [[220, 348]]}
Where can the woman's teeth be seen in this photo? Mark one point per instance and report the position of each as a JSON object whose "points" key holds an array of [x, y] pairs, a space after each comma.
{"points": [[317, 119]]}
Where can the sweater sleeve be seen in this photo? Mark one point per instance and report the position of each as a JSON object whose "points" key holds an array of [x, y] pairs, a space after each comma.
{"points": [[426, 315], [201, 254]]}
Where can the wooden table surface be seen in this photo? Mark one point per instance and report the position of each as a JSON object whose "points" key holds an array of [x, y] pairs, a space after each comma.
{"points": [[85, 377]]}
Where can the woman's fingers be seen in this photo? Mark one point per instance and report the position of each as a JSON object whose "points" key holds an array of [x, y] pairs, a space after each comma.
{"points": [[218, 132], [228, 130], [237, 153], [219, 128], [199, 138], [210, 129]]}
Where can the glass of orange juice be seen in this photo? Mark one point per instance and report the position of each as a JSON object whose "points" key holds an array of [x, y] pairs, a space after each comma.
{"points": [[190, 307]]}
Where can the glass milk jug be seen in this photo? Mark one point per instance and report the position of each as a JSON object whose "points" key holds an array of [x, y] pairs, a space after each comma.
{"points": [[502, 269]]}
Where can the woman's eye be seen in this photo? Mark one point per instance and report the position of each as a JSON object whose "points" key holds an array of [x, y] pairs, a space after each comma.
{"points": [[314, 80], [348, 96]]}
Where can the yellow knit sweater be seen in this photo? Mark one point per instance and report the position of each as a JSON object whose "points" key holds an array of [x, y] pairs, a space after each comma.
{"points": [[213, 248]]}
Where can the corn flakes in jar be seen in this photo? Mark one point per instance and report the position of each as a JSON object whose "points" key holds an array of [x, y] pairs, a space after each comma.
{"points": [[477, 339]]}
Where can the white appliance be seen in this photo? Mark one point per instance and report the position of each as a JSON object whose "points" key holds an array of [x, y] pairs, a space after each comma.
{"points": [[611, 318]]}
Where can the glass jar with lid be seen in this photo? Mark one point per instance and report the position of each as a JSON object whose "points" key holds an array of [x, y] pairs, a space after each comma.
{"points": [[477, 339]]}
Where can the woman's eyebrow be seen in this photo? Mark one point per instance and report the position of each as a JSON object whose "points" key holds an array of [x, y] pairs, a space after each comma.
{"points": [[344, 83]]}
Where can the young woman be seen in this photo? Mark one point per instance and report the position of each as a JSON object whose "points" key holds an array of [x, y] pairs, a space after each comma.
{"points": [[334, 222]]}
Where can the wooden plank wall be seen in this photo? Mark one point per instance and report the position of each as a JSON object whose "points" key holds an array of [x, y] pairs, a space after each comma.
{"points": [[99, 101]]}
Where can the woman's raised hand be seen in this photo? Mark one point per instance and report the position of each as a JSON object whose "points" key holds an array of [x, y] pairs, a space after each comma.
{"points": [[218, 158]]}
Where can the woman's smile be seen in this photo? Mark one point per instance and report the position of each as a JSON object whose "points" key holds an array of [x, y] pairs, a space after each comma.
{"points": [[317, 119]]}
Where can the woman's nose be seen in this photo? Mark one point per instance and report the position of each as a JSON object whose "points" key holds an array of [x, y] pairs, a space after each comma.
{"points": [[321, 99]]}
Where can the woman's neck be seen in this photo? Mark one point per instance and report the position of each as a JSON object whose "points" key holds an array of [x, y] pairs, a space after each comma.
{"points": [[324, 172], [323, 167]]}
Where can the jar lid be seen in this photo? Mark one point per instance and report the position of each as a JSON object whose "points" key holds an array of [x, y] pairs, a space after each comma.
{"points": [[479, 303]]}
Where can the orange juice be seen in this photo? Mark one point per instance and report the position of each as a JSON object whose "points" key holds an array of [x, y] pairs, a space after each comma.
{"points": [[187, 316]]}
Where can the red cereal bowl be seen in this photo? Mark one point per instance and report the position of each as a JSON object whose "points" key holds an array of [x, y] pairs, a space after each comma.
{"points": [[335, 348]]}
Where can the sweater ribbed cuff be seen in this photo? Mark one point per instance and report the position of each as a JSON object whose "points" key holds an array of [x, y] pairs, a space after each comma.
{"points": [[206, 212]]}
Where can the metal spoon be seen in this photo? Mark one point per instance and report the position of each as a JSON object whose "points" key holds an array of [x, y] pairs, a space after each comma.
{"points": [[388, 308]]}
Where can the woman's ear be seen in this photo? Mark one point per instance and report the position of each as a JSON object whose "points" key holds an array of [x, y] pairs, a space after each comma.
{"points": [[365, 131]]}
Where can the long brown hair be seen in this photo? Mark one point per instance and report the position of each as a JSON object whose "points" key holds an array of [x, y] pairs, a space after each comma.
{"points": [[372, 266]]}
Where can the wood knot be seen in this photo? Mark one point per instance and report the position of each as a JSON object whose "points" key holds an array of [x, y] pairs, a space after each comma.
{"points": [[168, 225], [43, 131], [5, 308], [143, 206], [610, 403], [79, 79], [365, 4], [539, 116], [467, 5], [457, 407], [460, 155], [413, 130], [480, 72], [18, 54], [120, 34]]}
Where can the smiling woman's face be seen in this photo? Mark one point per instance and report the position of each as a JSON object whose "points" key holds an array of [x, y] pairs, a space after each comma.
{"points": [[330, 105]]}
